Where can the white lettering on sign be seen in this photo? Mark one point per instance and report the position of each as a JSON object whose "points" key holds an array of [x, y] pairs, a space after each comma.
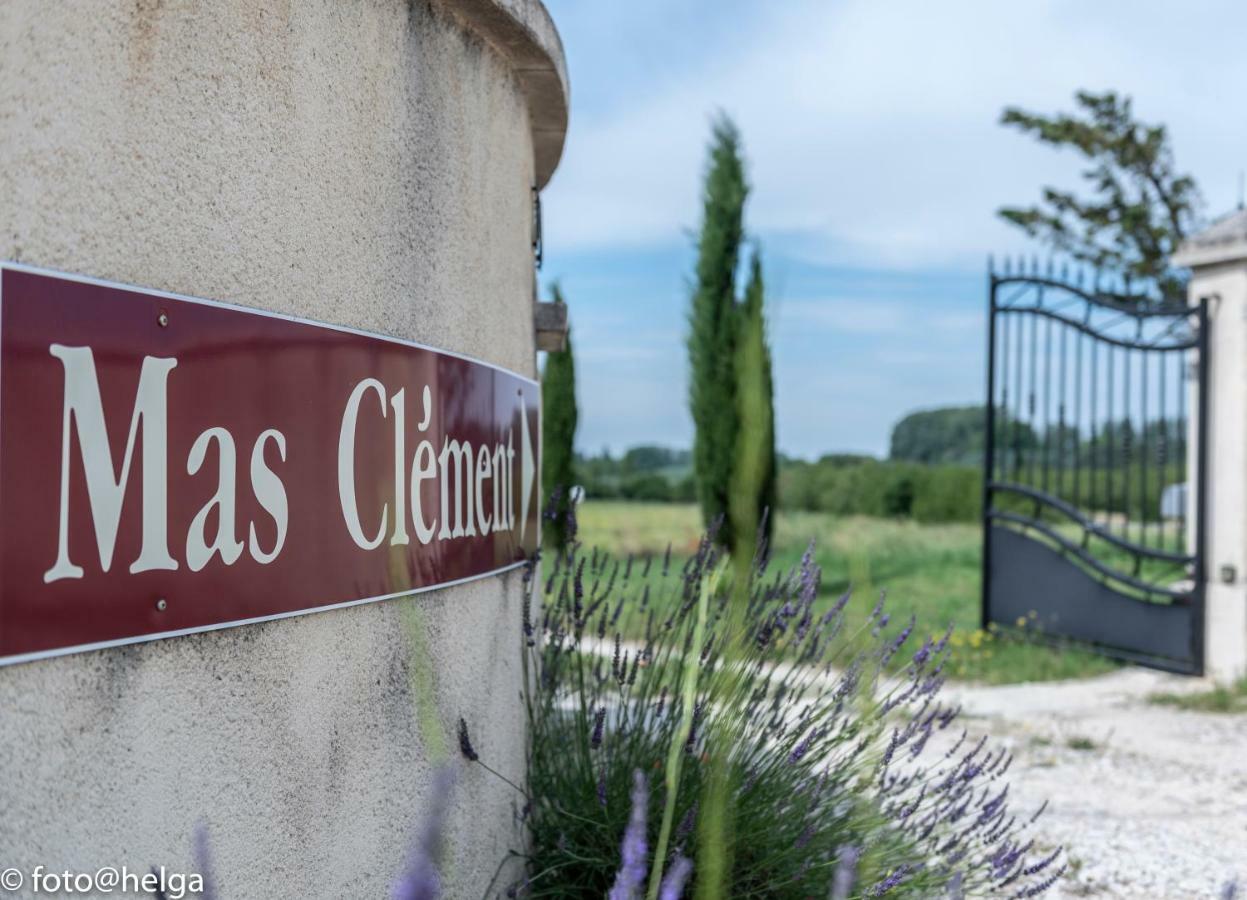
{"points": [[270, 493], [83, 414], [84, 408], [346, 466], [474, 483], [461, 475]]}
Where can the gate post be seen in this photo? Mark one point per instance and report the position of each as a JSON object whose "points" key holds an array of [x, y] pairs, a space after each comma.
{"points": [[1217, 258]]}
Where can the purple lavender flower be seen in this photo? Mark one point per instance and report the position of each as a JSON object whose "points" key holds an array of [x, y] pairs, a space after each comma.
{"points": [[800, 750], [465, 743], [1230, 891], [602, 787], [809, 575], [422, 881], [685, 828], [891, 881], [203, 860], [691, 744], [599, 721], [634, 851], [923, 653], [836, 608], [1042, 887], [1043, 863], [878, 610], [892, 647], [578, 589], [673, 882], [846, 873]]}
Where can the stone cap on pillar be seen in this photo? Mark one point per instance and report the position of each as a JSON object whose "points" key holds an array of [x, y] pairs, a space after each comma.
{"points": [[1224, 241], [523, 32]]}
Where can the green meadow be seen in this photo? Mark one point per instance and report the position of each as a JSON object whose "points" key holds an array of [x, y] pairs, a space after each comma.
{"points": [[929, 571]]}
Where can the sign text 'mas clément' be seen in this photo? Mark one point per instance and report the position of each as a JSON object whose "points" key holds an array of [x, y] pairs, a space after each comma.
{"points": [[170, 465]]}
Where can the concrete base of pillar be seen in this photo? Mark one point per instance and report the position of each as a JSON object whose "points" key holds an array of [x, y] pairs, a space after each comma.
{"points": [[1225, 632]]}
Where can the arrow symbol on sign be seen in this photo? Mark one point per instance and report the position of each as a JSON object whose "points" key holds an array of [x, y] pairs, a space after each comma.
{"points": [[527, 468]]}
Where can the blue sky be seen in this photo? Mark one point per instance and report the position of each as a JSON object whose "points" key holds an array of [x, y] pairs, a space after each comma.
{"points": [[876, 165]]}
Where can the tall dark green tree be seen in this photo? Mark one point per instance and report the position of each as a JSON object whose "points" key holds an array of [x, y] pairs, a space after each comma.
{"points": [[558, 435], [755, 475], [1140, 207], [713, 322]]}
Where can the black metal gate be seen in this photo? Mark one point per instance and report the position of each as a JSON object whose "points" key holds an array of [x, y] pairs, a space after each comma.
{"points": [[1087, 493]]}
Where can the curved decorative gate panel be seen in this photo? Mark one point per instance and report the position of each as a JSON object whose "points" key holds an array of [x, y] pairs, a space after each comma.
{"points": [[1093, 492]]}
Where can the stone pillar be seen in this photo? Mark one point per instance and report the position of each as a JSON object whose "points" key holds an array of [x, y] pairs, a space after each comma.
{"points": [[1217, 258], [368, 165]]}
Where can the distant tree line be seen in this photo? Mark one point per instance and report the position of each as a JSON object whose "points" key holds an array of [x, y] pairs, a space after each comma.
{"points": [[646, 472], [844, 484], [935, 470], [954, 435], [861, 486]]}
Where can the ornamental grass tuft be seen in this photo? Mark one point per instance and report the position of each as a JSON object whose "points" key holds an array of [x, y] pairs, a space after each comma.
{"points": [[751, 744]]}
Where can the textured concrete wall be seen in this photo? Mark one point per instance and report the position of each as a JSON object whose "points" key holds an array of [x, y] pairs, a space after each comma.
{"points": [[1217, 258], [361, 163]]}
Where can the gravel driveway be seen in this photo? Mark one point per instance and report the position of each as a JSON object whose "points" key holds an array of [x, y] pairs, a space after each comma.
{"points": [[1150, 801]]}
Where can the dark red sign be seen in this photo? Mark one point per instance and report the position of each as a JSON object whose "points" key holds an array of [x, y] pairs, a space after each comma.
{"points": [[171, 465]]}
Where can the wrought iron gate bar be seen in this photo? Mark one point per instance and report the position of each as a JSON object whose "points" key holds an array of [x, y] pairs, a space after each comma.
{"points": [[1074, 549], [1091, 527], [1184, 344], [1092, 442]]}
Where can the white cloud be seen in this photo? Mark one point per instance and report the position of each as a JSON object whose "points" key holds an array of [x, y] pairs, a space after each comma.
{"points": [[871, 126]]}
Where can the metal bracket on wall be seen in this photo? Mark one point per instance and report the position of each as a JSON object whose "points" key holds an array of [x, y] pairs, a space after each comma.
{"points": [[550, 320], [537, 244]]}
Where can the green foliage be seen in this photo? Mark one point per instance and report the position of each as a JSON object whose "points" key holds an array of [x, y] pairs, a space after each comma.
{"points": [[884, 489], [754, 485], [1222, 698], [712, 325], [649, 458], [642, 473], [954, 434], [1140, 208], [558, 434], [948, 494]]}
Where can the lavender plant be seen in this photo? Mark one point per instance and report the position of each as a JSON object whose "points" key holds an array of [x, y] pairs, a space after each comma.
{"points": [[751, 743], [422, 877]]}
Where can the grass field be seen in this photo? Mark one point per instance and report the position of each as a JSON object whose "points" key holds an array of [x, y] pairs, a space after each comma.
{"points": [[930, 571]]}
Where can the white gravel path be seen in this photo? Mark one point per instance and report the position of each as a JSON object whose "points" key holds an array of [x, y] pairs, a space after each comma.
{"points": [[1153, 805]]}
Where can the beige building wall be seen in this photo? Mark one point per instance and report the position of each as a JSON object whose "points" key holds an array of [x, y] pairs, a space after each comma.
{"points": [[367, 163]]}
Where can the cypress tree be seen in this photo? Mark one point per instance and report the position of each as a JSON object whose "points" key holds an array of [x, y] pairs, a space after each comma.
{"points": [[713, 325], [558, 436], [754, 481]]}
